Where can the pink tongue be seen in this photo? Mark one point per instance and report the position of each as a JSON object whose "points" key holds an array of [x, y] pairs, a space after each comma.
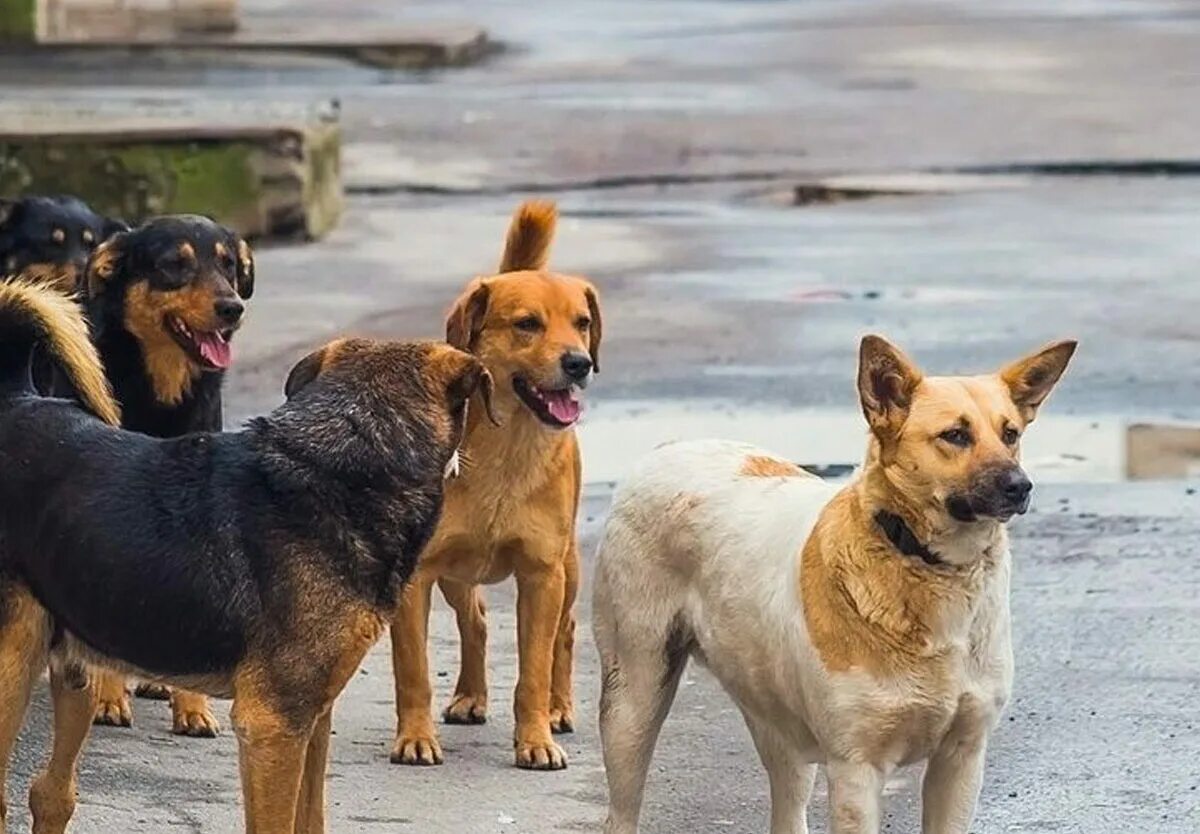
{"points": [[215, 350], [561, 404]]}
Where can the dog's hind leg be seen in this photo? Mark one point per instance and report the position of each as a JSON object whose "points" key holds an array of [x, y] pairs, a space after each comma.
{"points": [[790, 775], [470, 701], [310, 810], [192, 715], [52, 795], [113, 708], [24, 641], [642, 658], [562, 698]]}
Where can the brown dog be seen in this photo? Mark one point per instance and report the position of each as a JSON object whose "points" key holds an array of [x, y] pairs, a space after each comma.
{"points": [[512, 511]]}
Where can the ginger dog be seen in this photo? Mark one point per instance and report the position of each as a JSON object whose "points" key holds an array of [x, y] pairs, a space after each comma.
{"points": [[864, 628], [512, 510]]}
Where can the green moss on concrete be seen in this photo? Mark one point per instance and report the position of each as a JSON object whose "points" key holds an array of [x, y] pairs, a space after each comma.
{"points": [[18, 20]]}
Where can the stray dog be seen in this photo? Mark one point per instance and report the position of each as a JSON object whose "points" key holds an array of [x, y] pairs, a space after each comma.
{"points": [[49, 239], [512, 512], [164, 301], [259, 565], [865, 627]]}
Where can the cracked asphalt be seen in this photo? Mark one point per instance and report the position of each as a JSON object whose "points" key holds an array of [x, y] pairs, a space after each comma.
{"points": [[672, 134]]}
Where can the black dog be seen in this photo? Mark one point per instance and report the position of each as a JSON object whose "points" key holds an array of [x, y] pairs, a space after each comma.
{"points": [[49, 239], [164, 300], [259, 565]]}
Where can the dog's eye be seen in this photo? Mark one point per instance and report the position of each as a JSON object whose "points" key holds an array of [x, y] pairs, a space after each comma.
{"points": [[528, 324], [1011, 435], [956, 437], [583, 323]]}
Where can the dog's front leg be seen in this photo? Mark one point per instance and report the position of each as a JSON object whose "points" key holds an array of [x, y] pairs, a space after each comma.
{"points": [[951, 786], [271, 754], [562, 699], [113, 708], [855, 795], [416, 738], [541, 589], [24, 641], [310, 810]]}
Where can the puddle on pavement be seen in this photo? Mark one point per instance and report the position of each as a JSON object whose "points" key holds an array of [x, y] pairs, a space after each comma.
{"points": [[615, 435]]}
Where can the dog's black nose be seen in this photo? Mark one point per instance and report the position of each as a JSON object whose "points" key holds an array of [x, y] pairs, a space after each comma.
{"points": [[229, 310], [576, 365], [1015, 485]]}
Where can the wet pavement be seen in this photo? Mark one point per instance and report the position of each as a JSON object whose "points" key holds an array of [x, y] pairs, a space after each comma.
{"points": [[673, 135]]}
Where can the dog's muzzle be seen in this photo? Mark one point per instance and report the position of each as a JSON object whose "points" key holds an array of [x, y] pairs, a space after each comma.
{"points": [[999, 494]]}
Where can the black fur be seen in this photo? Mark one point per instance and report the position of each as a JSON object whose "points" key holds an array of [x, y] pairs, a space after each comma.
{"points": [[180, 556], [27, 227]]}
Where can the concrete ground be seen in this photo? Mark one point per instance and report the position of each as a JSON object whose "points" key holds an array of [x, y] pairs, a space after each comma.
{"points": [[671, 133]]}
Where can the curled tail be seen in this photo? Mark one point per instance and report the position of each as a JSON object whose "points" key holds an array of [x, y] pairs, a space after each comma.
{"points": [[529, 236], [32, 315]]}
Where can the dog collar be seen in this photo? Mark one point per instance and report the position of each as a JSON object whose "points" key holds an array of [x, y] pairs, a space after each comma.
{"points": [[903, 539]]}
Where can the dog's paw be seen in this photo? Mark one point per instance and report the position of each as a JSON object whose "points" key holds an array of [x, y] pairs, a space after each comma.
{"points": [[540, 756], [114, 712], [562, 720], [153, 691], [466, 709], [196, 722], [417, 750]]}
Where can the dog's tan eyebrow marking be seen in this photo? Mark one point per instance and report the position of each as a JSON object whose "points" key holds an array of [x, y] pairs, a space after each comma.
{"points": [[220, 249], [88, 237], [187, 251], [58, 235]]}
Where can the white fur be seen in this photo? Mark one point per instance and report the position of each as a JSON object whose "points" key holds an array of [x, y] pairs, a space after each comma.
{"points": [[693, 548]]}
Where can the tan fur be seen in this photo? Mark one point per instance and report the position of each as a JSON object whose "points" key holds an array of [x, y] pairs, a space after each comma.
{"points": [[761, 466], [61, 320], [510, 513], [529, 237], [62, 277], [170, 369]]}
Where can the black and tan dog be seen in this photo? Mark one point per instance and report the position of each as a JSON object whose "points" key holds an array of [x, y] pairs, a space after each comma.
{"points": [[48, 239], [164, 300], [259, 565]]}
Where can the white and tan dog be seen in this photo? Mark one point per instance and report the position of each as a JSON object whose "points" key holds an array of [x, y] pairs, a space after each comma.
{"points": [[865, 627]]}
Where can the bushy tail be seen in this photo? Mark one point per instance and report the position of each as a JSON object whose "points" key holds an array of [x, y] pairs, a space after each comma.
{"points": [[32, 314], [529, 236]]}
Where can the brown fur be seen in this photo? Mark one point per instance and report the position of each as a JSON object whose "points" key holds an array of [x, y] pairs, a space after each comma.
{"points": [[529, 237], [863, 607], [170, 369], [511, 513], [761, 466], [67, 336]]}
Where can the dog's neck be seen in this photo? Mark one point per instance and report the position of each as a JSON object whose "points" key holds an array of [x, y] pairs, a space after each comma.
{"points": [[521, 444], [925, 534]]}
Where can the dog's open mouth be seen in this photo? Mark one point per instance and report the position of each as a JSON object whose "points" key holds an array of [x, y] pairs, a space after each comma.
{"points": [[210, 350], [559, 408]]}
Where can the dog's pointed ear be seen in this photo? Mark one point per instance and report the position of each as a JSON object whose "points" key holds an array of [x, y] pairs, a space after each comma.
{"points": [[103, 264], [465, 320], [887, 380], [596, 328], [1031, 379], [245, 269], [309, 368]]}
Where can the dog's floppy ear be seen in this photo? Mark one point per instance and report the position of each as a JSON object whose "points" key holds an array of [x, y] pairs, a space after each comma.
{"points": [[596, 329], [245, 269], [102, 265], [468, 378], [309, 368], [1031, 379], [886, 382], [465, 321]]}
